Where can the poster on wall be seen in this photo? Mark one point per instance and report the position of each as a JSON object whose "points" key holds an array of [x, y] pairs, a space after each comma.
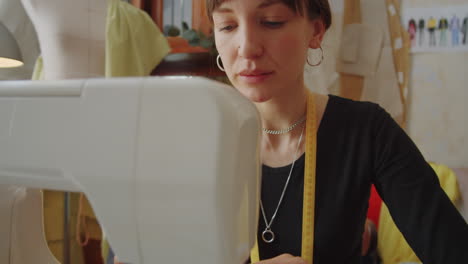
{"points": [[441, 29]]}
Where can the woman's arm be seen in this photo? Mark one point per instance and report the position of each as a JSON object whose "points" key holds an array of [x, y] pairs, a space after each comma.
{"points": [[410, 188]]}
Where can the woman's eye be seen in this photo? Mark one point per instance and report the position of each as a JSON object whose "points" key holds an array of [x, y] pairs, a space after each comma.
{"points": [[227, 28], [273, 24]]}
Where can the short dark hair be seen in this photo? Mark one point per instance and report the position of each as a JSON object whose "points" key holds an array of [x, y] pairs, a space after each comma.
{"points": [[314, 9]]}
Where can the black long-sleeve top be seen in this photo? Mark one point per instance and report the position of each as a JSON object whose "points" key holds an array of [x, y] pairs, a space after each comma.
{"points": [[358, 144]]}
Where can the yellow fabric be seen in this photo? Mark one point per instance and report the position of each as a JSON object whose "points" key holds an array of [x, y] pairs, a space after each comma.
{"points": [[308, 215], [392, 246], [134, 44], [38, 72], [104, 249]]}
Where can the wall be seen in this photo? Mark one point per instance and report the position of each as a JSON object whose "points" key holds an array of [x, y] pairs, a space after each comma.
{"points": [[437, 114]]}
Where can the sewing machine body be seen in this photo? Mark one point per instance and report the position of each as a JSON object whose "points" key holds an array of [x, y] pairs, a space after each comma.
{"points": [[170, 165]]}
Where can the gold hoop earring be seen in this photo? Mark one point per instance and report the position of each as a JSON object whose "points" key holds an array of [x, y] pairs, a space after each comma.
{"points": [[218, 62], [321, 59]]}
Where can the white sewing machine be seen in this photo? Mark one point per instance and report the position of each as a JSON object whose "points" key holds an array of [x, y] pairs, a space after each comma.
{"points": [[170, 165]]}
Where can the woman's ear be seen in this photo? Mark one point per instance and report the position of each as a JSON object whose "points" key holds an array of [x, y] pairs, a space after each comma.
{"points": [[318, 31]]}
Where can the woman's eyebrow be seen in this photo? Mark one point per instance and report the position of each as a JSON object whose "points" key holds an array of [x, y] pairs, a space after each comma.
{"points": [[263, 4], [267, 3], [223, 10]]}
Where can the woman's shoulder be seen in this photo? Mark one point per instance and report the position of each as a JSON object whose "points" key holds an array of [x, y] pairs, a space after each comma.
{"points": [[354, 119], [342, 115], [347, 108]]}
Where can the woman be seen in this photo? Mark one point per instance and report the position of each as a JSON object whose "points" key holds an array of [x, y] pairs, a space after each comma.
{"points": [[263, 48]]}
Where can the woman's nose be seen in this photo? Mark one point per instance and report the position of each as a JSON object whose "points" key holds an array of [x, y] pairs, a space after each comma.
{"points": [[250, 45]]}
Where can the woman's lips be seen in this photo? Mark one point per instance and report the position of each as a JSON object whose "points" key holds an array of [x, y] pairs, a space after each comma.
{"points": [[255, 77]]}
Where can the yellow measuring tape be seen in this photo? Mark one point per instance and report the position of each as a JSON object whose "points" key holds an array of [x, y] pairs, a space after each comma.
{"points": [[308, 209]]}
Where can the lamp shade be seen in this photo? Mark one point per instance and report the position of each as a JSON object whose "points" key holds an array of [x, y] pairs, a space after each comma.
{"points": [[10, 55]]}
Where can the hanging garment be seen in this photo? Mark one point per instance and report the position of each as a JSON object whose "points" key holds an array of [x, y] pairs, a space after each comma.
{"points": [[134, 44]]}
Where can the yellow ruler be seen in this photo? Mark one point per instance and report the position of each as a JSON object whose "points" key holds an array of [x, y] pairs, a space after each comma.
{"points": [[308, 209]]}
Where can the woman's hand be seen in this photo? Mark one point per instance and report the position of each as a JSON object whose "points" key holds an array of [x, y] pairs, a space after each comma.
{"points": [[284, 259]]}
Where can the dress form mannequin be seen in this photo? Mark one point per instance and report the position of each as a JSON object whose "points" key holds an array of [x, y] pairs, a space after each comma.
{"points": [[22, 235], [71, 36]]}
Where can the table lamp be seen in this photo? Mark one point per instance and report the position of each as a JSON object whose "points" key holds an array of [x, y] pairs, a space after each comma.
{"points": [[10, 55]]}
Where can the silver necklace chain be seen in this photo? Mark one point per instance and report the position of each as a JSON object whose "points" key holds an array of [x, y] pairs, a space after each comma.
{"points": [[286, 130], [268, 231]]}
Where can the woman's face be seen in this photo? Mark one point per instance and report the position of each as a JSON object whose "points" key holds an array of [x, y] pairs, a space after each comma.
{"points": [[263, 46]]}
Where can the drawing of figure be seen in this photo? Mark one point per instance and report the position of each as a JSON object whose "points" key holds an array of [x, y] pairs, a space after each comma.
{"points": [[454, 29], [412, 31], [431, 26], [443, 26], [464, 29], [421, 26]]}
